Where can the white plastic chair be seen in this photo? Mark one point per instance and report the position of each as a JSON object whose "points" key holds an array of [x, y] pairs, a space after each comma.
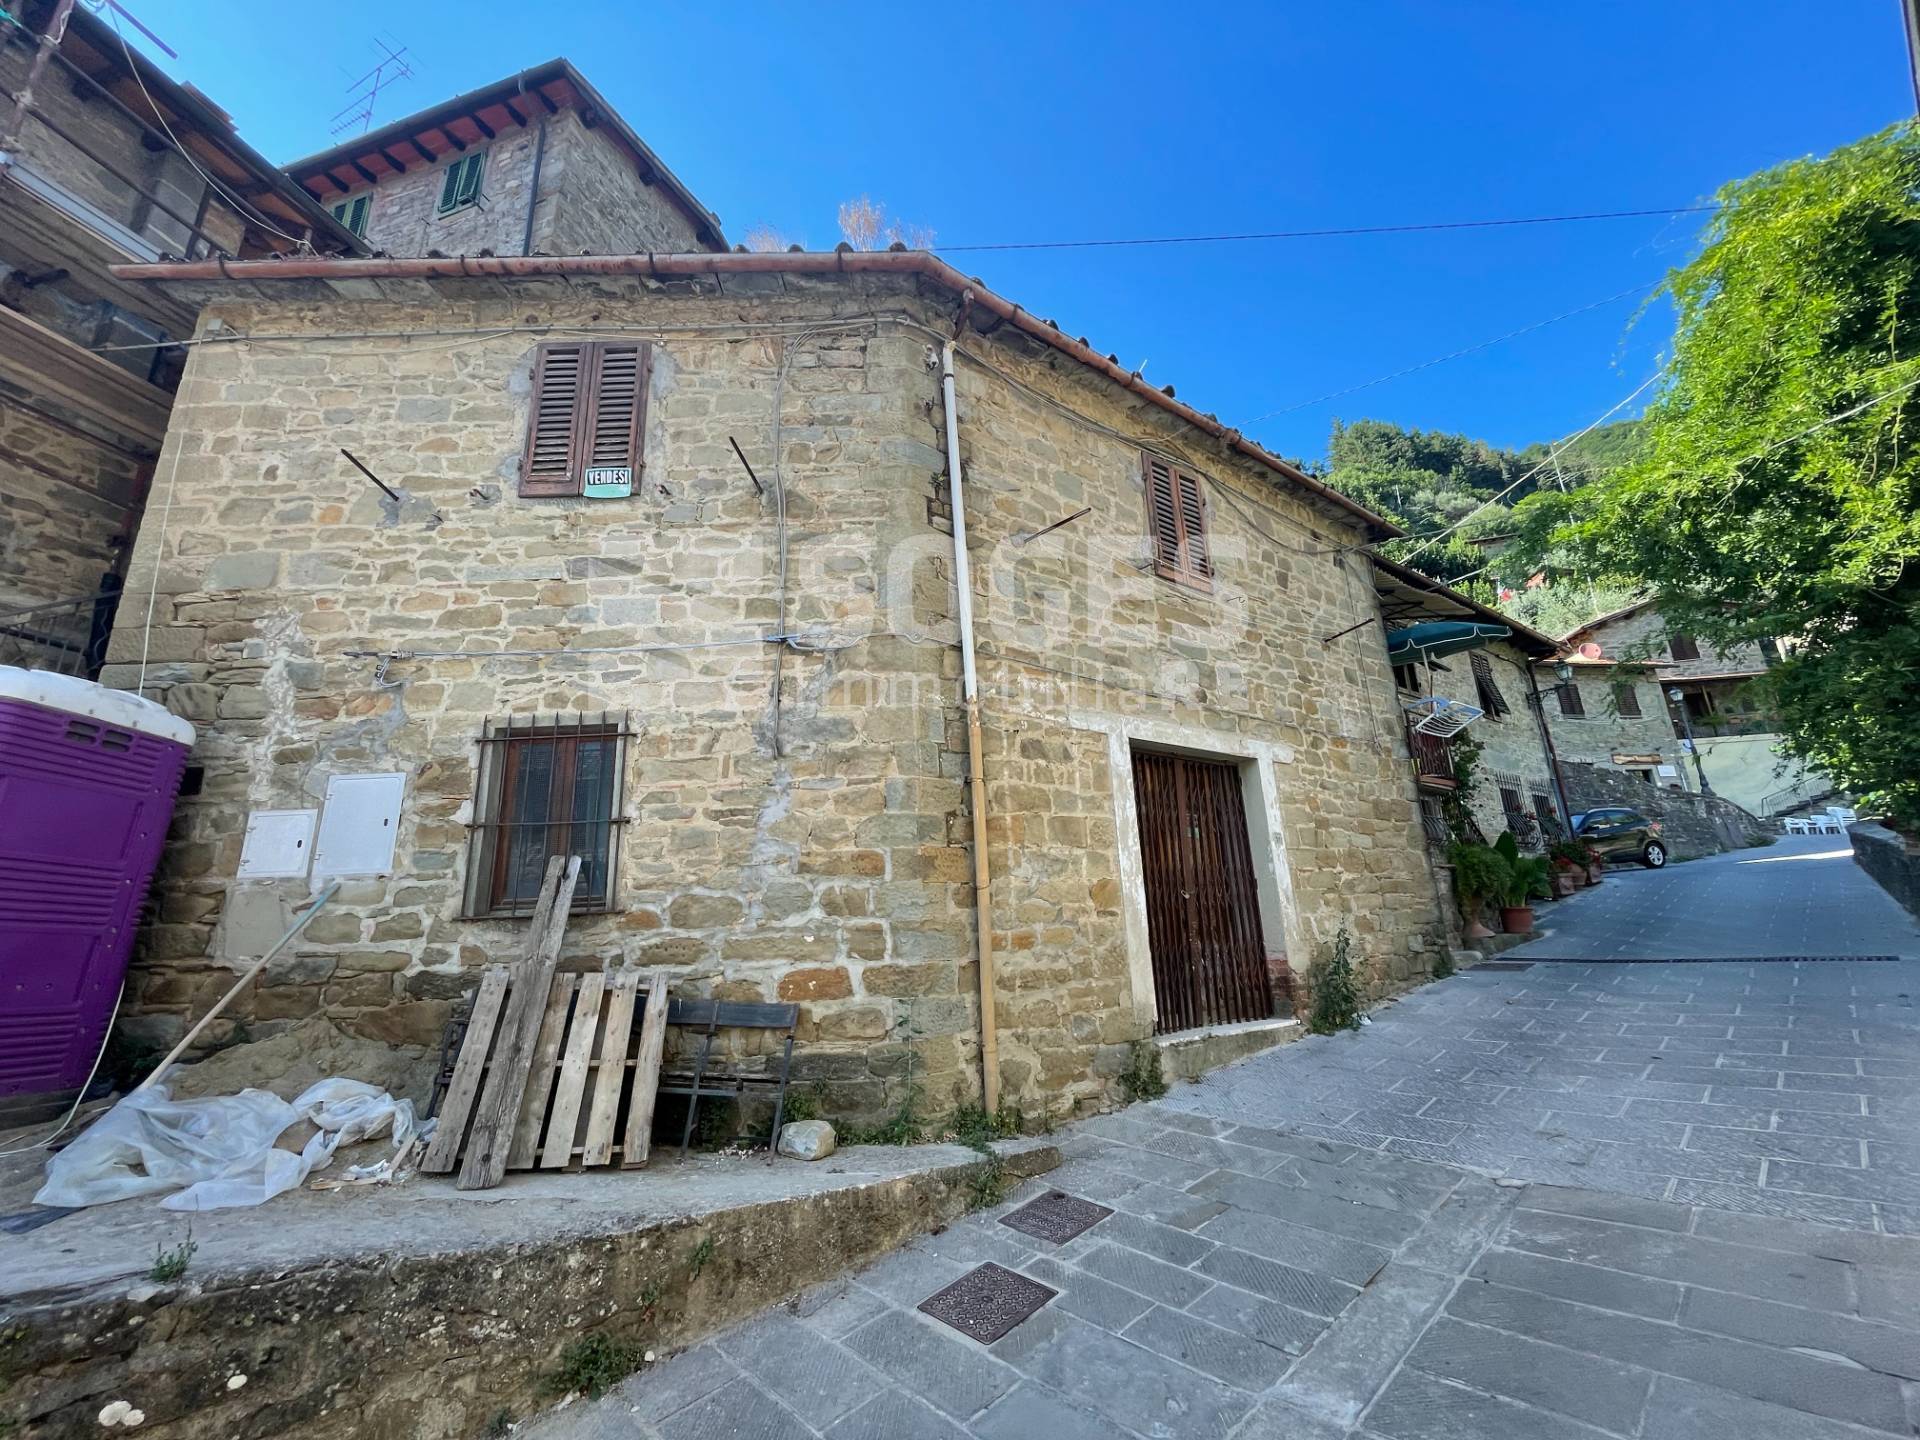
{"points": [[1826, 825], [1843, 815], [1797, 824]]}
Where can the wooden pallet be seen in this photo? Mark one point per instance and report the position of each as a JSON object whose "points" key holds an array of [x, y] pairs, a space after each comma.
{"points": [[587, 1096]]}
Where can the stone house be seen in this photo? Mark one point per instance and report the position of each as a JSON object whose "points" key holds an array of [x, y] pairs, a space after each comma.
{"points": [[1736, 736], [1610, 715], [537, 163], [661, 568], [95, 171], [1513, 781]]}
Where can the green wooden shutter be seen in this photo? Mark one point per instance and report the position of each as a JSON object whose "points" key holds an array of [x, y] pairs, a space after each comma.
{"points": [[450, 187]]}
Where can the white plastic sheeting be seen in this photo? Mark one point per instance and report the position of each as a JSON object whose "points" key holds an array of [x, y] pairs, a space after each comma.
{"points": [[219, 1152]]}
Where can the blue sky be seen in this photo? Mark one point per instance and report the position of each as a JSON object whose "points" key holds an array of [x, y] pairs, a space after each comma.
{"points": [[1068, 121]]}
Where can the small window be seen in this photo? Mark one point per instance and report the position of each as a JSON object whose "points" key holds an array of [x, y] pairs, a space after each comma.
{"points": [[353, 213], [1177, 516], [1570, 701], [589, 413], [1683, 647], [460, 186], [546, 788], [1491, 700], [1626, 698], [1407, 678]]}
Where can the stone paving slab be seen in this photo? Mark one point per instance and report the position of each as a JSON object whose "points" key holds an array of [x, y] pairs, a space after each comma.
{"points": [[1583, 1201], [1504, 1309]]}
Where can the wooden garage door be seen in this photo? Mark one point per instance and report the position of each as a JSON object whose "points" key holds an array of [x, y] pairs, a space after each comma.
{"points": [[1203, 913]]}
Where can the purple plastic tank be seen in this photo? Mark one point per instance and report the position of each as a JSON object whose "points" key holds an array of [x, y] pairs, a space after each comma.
{"points": [[88, 778]]}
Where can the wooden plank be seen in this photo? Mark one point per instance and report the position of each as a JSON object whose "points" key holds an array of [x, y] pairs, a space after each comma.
{"points": [[611, 1070], [458, 1104], [573, 1073], [486, 1162], [525, 1153], [646, 1073]]}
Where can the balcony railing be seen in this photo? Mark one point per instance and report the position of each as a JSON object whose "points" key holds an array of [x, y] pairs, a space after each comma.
{"points": [[1432, 760]]}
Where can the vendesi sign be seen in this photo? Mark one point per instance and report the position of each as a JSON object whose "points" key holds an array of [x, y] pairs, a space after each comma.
{"points": [[607, 482]]}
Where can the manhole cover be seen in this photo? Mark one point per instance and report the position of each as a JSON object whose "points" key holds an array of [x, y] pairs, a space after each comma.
{"points": [[1710, 960], [1056, 1217], [987, 1302]]}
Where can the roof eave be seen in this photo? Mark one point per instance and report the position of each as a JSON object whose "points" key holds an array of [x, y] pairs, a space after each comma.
{"points": [[1524, 637], [843, 261]]}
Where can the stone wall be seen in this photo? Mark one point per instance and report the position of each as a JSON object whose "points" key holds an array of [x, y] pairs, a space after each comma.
{"points": [[591, 201], [1511, 750], [1603, 731], [1645, 635], [812, 847], [64, 497], [1691, 824], [1890, 859]]}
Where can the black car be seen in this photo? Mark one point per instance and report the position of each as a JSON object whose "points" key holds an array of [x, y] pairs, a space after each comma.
{"points": [[1622, 834]]}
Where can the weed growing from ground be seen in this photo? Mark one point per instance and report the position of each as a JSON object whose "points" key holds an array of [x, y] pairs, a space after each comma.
{"points": [[170, 1265], [1336, 990], [499, 1425], [903, 1128], [1443, 965], [702, 1253], [1143, 1078], [974, 1126], [593, 1364]]}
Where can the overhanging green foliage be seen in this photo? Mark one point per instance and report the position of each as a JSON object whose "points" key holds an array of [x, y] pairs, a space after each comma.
{"points": [[1779, 491]]}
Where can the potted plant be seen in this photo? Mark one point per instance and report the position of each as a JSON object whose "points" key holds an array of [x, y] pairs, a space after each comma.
{"points": [[1570, 863], [1525, 876], [1479, 874], [1596, 867]]}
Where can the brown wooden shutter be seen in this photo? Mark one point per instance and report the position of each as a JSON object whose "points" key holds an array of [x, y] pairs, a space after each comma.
{"points": [[1570, 701], [1163, 516], [1491, 700], [1176, 515], [1627, 698], [617, 404], [560, 380], [589, 409], [1193, 529]]}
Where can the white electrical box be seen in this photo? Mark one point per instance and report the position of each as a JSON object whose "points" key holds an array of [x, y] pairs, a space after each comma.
{"points": [[359, 825], [278, 846]]}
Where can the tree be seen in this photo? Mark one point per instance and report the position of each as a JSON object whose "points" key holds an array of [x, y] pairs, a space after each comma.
{"points": [[1777, 491], [764, 238]]}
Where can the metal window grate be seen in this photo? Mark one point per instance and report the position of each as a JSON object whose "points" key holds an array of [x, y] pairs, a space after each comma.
{"points": [[547, 787]]}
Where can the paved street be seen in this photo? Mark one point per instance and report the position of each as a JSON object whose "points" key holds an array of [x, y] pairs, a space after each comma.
{"points": [[1571, 1200]]}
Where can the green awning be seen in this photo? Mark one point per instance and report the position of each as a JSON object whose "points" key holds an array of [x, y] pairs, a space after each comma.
{"points": [[1435, 638]]}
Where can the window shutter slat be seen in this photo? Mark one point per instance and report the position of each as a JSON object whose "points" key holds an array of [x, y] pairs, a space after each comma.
{"points": [[553, 423], [1177, 518], [469, 179], [450, 187]]}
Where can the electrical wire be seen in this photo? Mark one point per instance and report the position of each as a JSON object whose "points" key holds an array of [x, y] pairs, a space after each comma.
{"points": [[1332, 232], [1552, 453], [1457, 354]]}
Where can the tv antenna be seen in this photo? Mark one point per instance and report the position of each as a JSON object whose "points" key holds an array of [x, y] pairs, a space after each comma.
{"points": [[358, 111]]}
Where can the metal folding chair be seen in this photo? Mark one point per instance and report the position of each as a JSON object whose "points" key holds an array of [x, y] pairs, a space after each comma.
{"points": [[709, 1017]]}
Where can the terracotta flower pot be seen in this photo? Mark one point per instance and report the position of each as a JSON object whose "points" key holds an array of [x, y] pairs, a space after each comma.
{"points": [[1578, 875], [1596, 872], [1563, 883], [1516, 919]]}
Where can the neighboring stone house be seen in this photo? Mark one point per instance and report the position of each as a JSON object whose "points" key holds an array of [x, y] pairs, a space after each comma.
{"points": [[1513, 782], [738, 690], [536, 164], [92, 173], [1737, 736], [1610, 715]]}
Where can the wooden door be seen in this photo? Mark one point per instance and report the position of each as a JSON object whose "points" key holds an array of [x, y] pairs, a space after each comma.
{"points": [[1203, 911]]}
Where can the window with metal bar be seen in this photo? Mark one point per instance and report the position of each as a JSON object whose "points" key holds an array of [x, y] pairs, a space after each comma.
{"points": [[1491, 700], [547, 788], [1543, 812], [1433, 821], [1525, 832]]}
